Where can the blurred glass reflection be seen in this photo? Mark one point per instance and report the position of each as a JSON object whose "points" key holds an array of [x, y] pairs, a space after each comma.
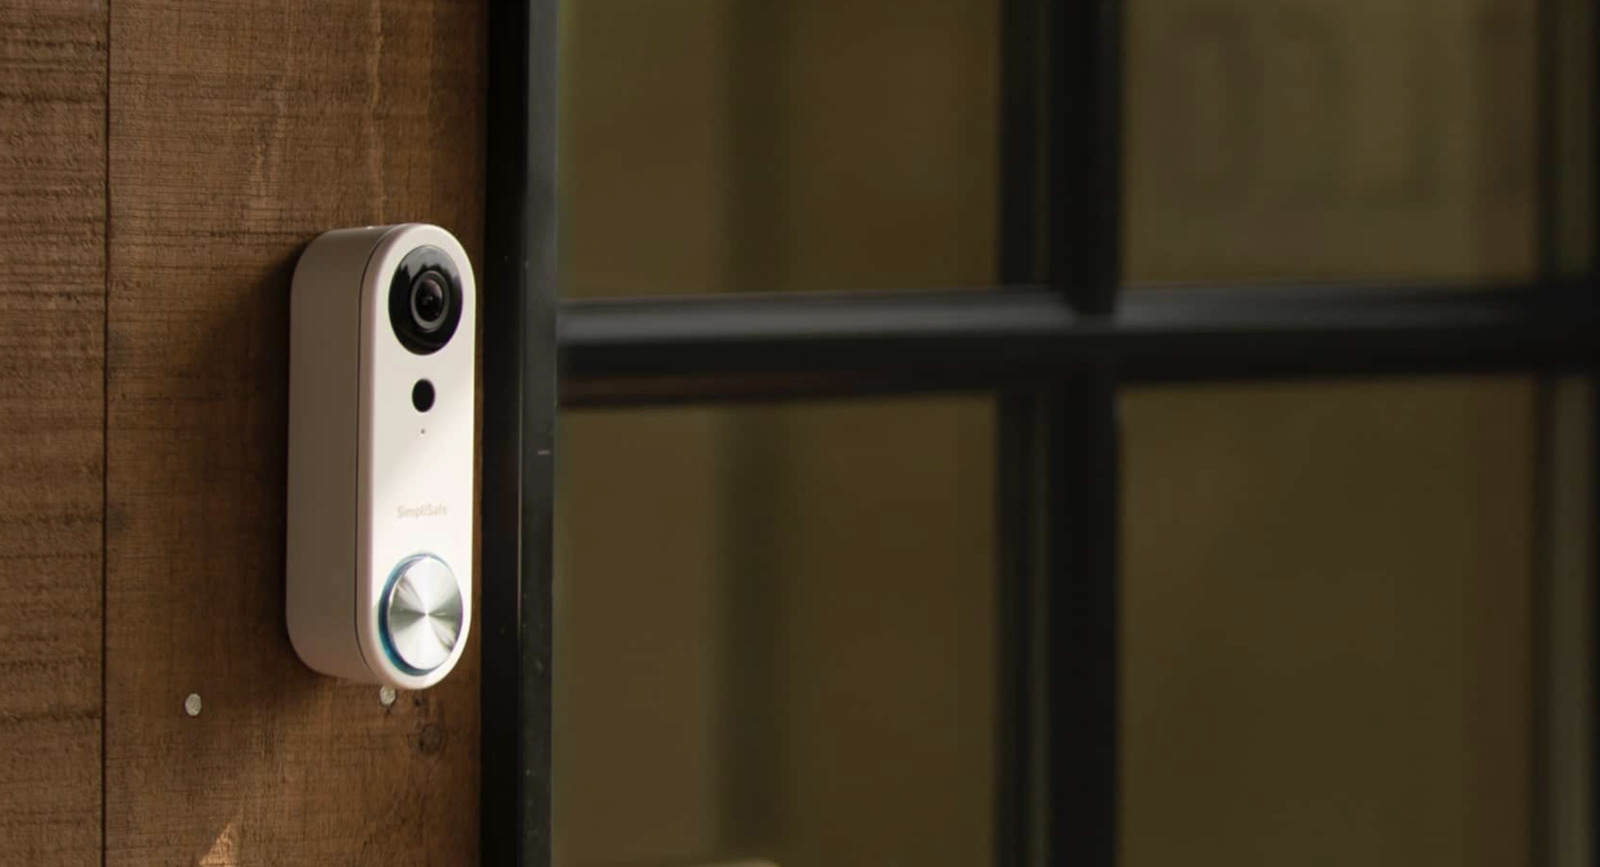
{"points": [[776, 625], [1330, 139], [1326, 595], [775, 635], [727, 145], [719, 145]]}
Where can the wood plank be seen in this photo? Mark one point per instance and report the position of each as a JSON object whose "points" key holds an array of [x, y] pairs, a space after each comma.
{"points": [[238, 132], [52, 414]]}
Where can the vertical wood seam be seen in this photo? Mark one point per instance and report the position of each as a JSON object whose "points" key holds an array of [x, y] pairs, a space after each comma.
{"points": [[105, 439]]}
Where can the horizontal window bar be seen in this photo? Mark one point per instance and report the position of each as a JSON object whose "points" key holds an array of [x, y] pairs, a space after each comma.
{"points": [[748, 345]]}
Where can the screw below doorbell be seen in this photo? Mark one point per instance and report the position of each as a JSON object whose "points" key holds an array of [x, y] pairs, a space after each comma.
{"points": [[380, 518]]}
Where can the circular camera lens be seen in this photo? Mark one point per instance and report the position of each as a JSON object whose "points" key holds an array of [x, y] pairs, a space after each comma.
{"points": [[426, 300], [422, 395], [430, 301]]}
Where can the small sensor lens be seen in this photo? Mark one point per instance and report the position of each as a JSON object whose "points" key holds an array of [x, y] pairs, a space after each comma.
{"points": [[422, 395]]}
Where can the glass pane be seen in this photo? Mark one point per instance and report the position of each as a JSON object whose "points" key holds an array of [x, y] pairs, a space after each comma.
{"points": [[775, 635], [724, 145], [719, 145], [1327, 613], [1330, 139]]}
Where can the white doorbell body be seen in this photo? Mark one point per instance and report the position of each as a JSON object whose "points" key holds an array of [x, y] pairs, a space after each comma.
{"points": [[382, 418]]}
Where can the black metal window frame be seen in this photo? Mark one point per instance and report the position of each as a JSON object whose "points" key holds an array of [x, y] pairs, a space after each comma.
{"points": [[1055, 339]]}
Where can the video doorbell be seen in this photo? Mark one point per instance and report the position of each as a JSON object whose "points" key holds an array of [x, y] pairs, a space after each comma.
{"points": [[381, 434]]}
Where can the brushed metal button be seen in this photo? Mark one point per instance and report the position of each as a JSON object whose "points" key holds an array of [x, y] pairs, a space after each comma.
{"points": [[422, 614]]}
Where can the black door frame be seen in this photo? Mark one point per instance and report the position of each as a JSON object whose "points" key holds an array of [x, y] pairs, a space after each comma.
{"points": [[520, 278]]}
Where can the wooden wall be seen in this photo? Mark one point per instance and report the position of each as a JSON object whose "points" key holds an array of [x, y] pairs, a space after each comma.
{"points": [[162, 164], [52, 412]]}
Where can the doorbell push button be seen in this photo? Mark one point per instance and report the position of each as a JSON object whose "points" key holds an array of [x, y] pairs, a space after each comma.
{"points": [[382, 431], [422, 614]]}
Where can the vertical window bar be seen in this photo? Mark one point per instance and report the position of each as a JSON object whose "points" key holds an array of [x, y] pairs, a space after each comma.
{"points": [[1020, 779], [1080, 468], [1085, 151], [1562, 787], [1547, 136], [519, 385], [1021, 128], [1592, 840], [1058, 494], [1020, 751], [1546, 580], [1079, 474]]}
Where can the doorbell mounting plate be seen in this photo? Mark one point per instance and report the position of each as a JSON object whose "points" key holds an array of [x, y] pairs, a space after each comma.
{"points": [[382, 427]]}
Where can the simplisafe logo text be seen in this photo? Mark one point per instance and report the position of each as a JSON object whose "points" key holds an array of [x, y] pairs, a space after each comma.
{"points": [[426, 510]]}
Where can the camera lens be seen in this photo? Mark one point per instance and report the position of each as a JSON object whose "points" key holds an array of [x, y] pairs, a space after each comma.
{"points": [[425, 300], [430, 301]]}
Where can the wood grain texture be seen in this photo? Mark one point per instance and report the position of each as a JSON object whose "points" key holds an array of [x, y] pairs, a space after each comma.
{"points": [[238, 132], [52, 413]]}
